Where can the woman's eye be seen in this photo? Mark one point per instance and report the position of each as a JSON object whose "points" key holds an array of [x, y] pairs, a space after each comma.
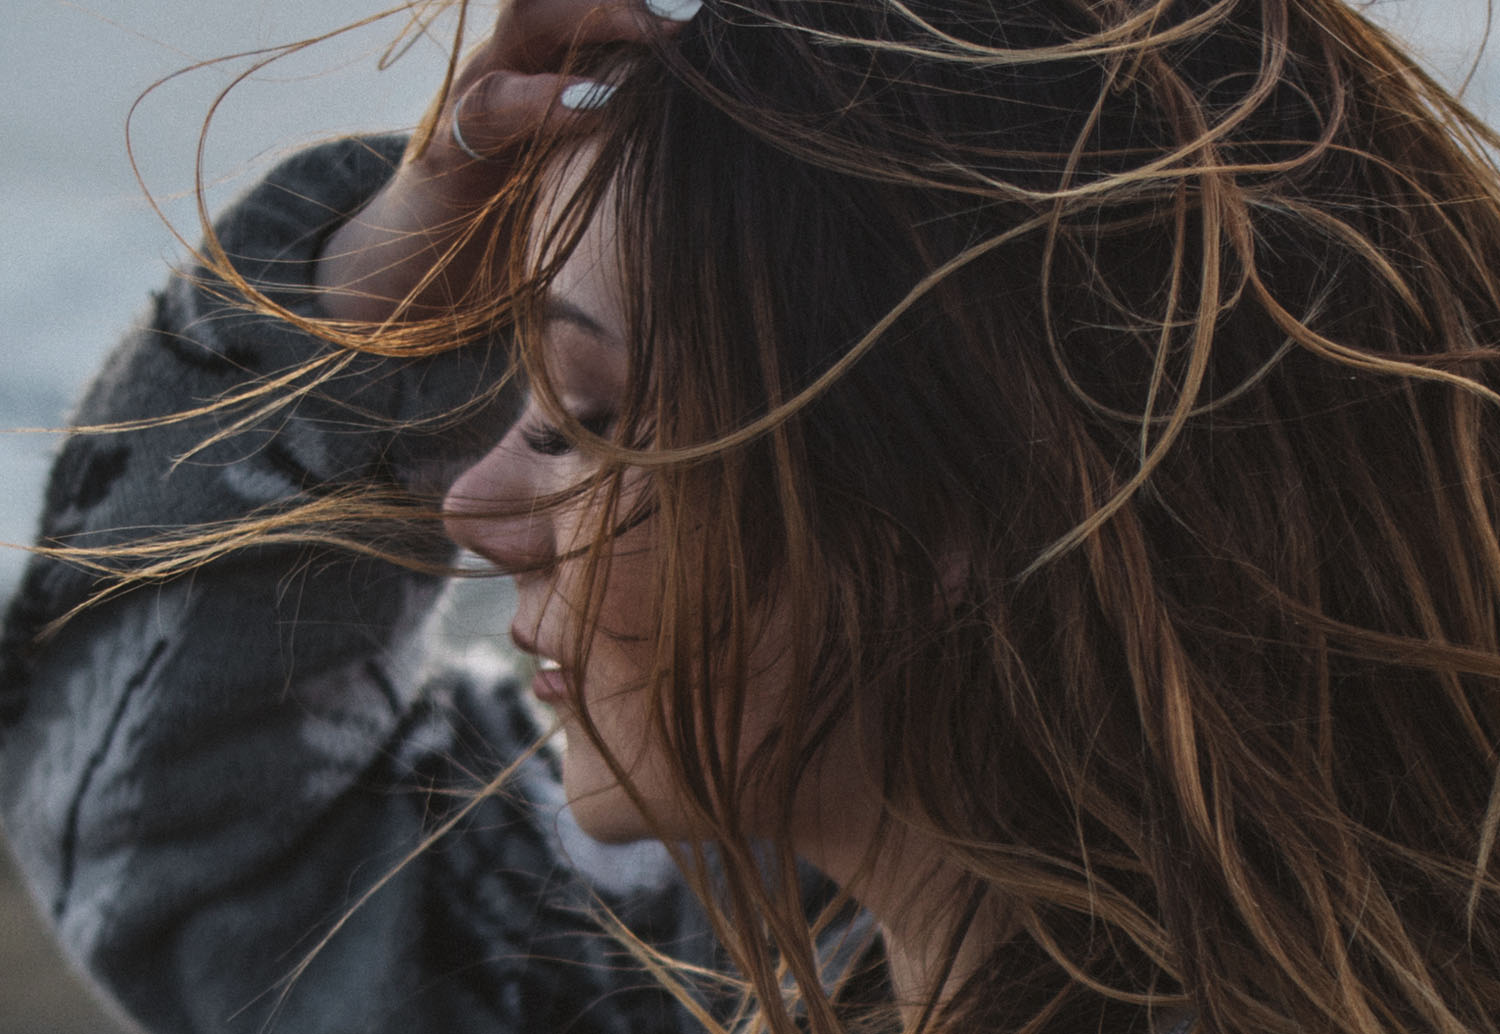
{"points": [[547, 440]]}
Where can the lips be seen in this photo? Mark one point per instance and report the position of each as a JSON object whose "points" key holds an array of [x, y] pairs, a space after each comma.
{"points": [[550, 684]]}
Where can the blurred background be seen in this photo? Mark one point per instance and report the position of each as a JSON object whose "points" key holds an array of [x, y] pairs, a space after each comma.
{"points": [[82, 247]]}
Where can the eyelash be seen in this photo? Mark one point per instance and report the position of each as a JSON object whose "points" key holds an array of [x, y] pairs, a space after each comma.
{"points": [[547, 440]]}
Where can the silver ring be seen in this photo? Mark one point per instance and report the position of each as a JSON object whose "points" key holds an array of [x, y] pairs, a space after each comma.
{"points": [[458, 137]]}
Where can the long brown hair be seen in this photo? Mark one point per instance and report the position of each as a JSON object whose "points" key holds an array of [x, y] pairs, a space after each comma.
{"points": [[1103, 394], [1155, 340]]}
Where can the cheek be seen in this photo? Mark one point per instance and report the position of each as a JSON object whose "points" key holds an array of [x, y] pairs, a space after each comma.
{"points": [[613, 603], [622, 646], [621, 643], [619, 706], [622, 651]]}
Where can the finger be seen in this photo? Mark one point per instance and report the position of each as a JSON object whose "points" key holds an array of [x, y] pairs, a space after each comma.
{"points": [[536, 35], [505, 108]]}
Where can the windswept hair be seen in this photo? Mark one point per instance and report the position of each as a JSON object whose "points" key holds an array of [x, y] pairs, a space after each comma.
{"points": [[1102, 395]]}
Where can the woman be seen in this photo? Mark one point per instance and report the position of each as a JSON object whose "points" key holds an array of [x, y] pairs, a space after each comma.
{"points": [[1035, 462]]}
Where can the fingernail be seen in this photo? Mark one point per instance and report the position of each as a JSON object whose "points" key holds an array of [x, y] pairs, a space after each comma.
{"points": [[674, 10], [585, 95]]}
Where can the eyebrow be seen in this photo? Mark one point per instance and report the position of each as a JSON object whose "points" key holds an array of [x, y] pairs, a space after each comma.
{"points": [[555, 308]]}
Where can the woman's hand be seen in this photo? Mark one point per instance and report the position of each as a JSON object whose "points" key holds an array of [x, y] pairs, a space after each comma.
{"points": [[508, 91]]}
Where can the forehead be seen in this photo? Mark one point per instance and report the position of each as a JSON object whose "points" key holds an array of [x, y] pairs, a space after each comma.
{"points": [[583, 313], [589, 278]]}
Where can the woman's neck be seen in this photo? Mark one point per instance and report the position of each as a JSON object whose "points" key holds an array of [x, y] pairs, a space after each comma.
{"points": [[935, 932]]}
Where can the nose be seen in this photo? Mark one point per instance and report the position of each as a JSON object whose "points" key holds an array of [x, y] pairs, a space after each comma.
{"points": [[491, 510]]}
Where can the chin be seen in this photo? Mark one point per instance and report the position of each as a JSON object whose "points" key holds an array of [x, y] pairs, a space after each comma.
{"points": [[601, 807], [609, 817]]}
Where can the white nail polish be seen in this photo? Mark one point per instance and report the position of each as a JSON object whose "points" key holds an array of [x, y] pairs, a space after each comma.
{"points": [[674, 10], [586, 95]]}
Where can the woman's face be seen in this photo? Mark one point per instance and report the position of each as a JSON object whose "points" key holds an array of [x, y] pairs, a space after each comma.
{"points": [[491, 511], [583, 347]]}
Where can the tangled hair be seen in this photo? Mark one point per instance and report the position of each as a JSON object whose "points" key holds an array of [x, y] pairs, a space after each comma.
{"points": [[1101, 393]]}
